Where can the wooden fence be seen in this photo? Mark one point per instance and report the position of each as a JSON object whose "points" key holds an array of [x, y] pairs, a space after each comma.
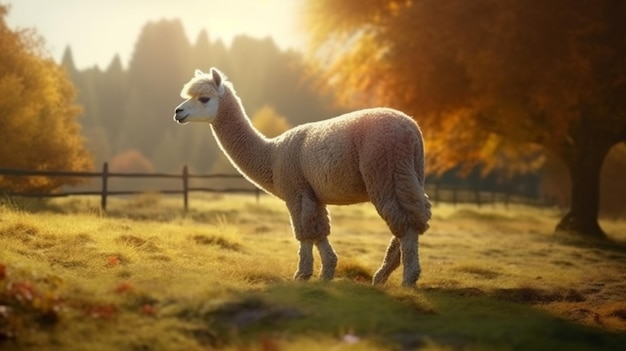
{"points": [[463, 194], [106, 175], [454, 194]]}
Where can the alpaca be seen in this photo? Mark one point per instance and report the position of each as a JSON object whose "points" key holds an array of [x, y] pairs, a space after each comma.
{"points": [[374, 155]]}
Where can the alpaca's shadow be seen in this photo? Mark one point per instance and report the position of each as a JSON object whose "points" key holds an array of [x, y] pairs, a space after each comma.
{"points": [[406, 318]]}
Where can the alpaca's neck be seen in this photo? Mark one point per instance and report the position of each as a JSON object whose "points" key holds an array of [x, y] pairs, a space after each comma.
{"points": [[248, 150]]}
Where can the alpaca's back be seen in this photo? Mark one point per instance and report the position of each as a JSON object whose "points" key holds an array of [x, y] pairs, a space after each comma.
{"points": [[337, 158]]}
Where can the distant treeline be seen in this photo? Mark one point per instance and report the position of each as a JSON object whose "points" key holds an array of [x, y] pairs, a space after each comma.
{"points": [[128, 108]]}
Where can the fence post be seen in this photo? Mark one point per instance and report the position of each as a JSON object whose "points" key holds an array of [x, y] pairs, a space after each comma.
{"points": [[185, 187], [105, 180], [477, 196], [507, 196], [454, 195]]}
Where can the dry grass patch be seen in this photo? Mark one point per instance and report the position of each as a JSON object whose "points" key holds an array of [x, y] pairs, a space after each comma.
{"points": [[219, 276]]}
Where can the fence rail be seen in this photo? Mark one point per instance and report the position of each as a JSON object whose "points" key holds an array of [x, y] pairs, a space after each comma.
{"points": [[105, 192], [437, 192]]}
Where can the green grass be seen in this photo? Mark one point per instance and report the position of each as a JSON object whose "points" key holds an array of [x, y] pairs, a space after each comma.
{"points": [[147, 276]]}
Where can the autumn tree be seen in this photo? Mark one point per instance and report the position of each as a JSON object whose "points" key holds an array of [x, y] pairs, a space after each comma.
{"points": [[130, 161], [492, 82], [269, 122], [39, 130]]}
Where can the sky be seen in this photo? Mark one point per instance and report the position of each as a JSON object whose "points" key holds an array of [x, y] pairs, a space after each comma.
{"points": [[98, 30]]}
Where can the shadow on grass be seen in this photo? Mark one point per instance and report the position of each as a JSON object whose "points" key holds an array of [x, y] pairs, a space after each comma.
{"points": [[394, 318], [607, 246]]}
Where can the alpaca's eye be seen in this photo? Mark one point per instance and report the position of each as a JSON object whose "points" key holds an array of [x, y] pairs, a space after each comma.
{"points": [[204, 99]]}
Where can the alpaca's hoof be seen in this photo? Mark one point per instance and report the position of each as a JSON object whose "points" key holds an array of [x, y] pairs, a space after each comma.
{"points": [[302, 276], [379, 279], [327, 277], [409, 283], [327, 273]]}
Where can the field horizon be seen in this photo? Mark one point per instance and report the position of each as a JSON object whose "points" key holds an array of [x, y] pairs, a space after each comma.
{"points": [[145, 275]]}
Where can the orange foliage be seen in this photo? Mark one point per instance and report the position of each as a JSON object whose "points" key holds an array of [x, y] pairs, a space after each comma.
{"points": [[487, 78], [269, 122], [39, 127], [131, 161], [481, 77]]}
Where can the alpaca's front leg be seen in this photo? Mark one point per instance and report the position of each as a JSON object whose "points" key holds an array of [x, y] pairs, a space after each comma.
{"points": [[410, 258], [305, 261], [311, 225], [390, 262]]}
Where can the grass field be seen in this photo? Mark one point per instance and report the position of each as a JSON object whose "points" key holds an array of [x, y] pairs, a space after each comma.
{"points": [[146, 276]]}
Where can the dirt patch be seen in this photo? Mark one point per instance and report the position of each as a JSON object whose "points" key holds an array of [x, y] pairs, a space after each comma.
{"points": [[538, 296]]}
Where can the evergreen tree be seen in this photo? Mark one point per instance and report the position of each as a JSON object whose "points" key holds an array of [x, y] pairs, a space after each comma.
{"points": [[113, 92], [158, 68]]}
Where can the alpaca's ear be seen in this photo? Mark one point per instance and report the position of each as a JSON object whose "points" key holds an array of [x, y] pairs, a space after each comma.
{"points": [[217, 79], [198, 73]]}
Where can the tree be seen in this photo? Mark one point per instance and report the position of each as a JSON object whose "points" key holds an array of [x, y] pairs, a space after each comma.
{"points": [[269, 123], [38, 117], [130, 161], [112, 87], [159, 66], [251, 81], [492, 82]]}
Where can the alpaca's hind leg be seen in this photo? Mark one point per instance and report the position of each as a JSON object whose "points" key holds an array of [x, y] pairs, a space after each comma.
{"points": [[390, 262], [329, 258], [410, 258], [305, 261]]}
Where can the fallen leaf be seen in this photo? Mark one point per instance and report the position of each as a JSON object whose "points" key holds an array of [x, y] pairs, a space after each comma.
{"points": [[101, 311], [113, 261], [22, 291], [148, 310], [123, 287]]}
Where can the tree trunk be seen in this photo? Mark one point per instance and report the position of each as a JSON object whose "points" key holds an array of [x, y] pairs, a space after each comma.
{"points": [[584, 170]]}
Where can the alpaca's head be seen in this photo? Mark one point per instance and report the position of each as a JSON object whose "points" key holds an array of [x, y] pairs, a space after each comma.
{"points": [[203, 93]]}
